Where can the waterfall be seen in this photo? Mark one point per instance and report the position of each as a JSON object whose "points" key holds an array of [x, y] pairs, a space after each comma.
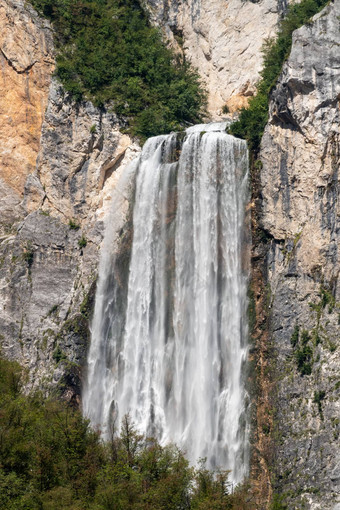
{"points": [[169, 339]]}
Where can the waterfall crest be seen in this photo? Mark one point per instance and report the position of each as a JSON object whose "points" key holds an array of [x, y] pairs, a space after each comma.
{"points": [[169, 345]]}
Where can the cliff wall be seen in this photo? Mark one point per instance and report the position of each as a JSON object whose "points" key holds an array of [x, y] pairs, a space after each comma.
{"points": [[223, 41], [300, 215], [59, 162], [26, 62]]}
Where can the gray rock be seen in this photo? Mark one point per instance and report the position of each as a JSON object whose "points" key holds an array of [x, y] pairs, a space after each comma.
{"points": [[223, 40], [300, 187]]}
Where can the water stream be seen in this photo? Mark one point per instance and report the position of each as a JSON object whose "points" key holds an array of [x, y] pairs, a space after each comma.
{"points": [[169, 340]]}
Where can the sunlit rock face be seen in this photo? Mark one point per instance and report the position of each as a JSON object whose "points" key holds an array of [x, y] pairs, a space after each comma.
{"points": [[300, 210], [223, 40], [59, 161], [26, 65]]}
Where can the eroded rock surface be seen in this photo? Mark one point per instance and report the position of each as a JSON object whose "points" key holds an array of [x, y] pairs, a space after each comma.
{"points": [[81, 149], [300, 187], [26, 65], [223, 40], [49, 262], [59, 163]]}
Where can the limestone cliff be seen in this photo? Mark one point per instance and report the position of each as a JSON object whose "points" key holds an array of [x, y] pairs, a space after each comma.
{"points": [[26, 60], [300, 215], [223, 41], [59, 162]]}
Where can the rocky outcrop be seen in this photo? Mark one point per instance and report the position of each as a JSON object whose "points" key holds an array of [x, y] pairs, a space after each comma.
{"points": [[26, 61], [223, 41], [300, 216], [81, 149]]}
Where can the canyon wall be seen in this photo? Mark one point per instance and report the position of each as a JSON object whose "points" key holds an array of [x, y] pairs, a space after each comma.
{"points": [[300, 215], [59, 162], [27, 62]]}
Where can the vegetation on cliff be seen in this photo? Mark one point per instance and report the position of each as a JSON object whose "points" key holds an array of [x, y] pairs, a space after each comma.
{"points": [[253, 119], [108, 52], [50, 459]]}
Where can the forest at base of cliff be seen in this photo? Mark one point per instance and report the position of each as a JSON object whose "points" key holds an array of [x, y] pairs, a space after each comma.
{"points": [[51, 459]]}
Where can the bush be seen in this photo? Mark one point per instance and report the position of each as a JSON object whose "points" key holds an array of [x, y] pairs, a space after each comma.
{"points": [[58, 355], [278, 502], [82, 242], [225, 109], [109, 53], [28, 255], [318, 398], [73, 225], [295, 336]]}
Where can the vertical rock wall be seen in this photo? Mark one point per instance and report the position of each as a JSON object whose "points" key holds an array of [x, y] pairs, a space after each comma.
{"points": [[59, 162], [300, 215], [223, 40], [26, 65], [57, 171]]}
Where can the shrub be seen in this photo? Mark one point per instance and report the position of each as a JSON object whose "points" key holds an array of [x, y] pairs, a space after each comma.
{"points": [[303, 352], [82, 242], [225, 109], [50, 458], [109, 53], [278, 502], [73, 225], [304, 359], [318, 398], [295, 336], [58, 355], [28, 255]]}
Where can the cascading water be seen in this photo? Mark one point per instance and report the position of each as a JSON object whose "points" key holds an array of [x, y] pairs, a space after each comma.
{"points": [[169, 345]]}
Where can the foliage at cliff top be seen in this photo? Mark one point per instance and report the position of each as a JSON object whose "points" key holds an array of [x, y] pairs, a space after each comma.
{"points": [[253, 119], [50, 459], [109, 53]]}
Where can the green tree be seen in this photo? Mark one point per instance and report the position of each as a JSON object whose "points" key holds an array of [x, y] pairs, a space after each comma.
{"points": [[51, 459], [109, 53]]}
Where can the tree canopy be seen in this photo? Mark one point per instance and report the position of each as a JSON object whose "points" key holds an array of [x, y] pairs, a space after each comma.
{"points": [[108, 52], [51, 459]]}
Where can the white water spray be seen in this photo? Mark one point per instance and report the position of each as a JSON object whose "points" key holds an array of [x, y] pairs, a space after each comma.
{"points": [[169, 346]]}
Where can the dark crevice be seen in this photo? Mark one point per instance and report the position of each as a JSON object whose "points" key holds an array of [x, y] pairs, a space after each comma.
{"points": [[26, 70]]}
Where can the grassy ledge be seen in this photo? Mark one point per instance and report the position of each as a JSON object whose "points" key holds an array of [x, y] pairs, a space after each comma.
{"points": [[108, 52]]}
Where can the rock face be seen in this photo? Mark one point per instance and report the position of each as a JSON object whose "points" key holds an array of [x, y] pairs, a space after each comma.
{"points": [[48, 264], [300, 214], [26, 61], [223, 40], [81, 149], [59, 164]]}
